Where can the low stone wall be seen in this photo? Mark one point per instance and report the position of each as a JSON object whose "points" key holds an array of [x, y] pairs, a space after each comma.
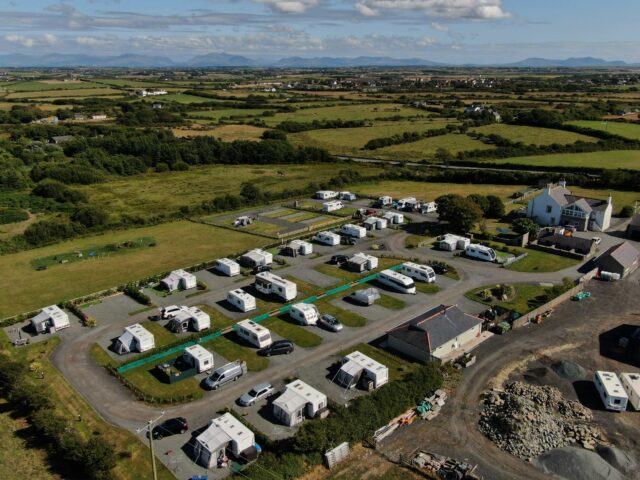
{"points": [[557, 251], [529, 317]]}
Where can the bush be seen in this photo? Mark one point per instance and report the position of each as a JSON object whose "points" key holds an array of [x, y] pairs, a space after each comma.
{"points": [[90, 216], [627, 211], [12, 215], [134, 292], [47, 231], [58, 191]]}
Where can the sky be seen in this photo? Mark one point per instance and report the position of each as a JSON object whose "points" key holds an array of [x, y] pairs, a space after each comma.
{"points": [[451, 31]]}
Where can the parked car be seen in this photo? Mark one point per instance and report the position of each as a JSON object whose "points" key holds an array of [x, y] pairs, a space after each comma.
{"points": [[173, 426], [330, 322], [261, 268], [258, 392], [225, 374], [279, 347], [439, 269], [339, 259], [170, 311], [348, 240]]}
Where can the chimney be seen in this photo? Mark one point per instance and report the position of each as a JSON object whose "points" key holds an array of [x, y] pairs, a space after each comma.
{"points": [[610, 200]]}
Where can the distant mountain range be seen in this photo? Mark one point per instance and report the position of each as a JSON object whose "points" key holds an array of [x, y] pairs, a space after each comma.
{"points": [[212, 60]]}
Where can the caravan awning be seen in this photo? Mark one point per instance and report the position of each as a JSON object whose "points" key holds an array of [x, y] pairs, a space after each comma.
{"points": [[290, 401]]}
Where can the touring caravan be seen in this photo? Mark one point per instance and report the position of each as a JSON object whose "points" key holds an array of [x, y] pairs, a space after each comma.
{"points": [[428, 207], [352, 230], [406, 204], [631, 384], [305, 313], [365, 296], [51, 318], [394, 218], [225, 434], [256, 335], [242, 300], [328, 238], [357, 368], [397, 281], [612, 394], [422, 273], [227, 267], [451, 242], [199, 357], [268, 283], [326, 194], [347, 196], [384, 201], [375, 223], [332, 206], [301, 247], [256, 258], [298, 401], [179, 280], [135, 338], [361, 262], [480, 252], [189, 318]]}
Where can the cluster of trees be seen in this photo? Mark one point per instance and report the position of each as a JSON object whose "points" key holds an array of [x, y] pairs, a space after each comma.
{"points": [[408, 137], [143, 113], [91, 459], [290, 126], [48, 188], [12, 215], [463, 213], [525, 225]]}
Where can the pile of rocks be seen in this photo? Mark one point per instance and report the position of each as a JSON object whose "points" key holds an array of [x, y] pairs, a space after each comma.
{"points": [[527, 420]]}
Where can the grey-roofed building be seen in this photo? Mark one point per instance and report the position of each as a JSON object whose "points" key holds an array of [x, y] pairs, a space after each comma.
{"points": [[435, 334], [622, 259], [633, 229]]}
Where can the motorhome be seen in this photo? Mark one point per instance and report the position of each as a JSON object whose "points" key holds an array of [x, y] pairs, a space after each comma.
{"points": [[256, 335], [352, 230], [613, 395], [394, 218], [256, 258], [268, 283], [361, 262], [242, 300], [631, 384], [359, 369], [422, 273], [475, 250], [328, 238], [452, 242], [227, 267], [397, 281], [305, 313], [326, 194], [332, 206], [301, 247]]}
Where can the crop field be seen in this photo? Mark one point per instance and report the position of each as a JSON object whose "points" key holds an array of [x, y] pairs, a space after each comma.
{"points": [[624, 129], [421, 149], [430, 191], [156, 193], [229, 113], [180, 244], [534, 135], [71, 93], [349, 141], [629, 159], [226, 133]]}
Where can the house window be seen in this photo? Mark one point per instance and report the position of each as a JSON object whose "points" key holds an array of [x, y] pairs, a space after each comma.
{"points": [[616, 401], [549, 208]]}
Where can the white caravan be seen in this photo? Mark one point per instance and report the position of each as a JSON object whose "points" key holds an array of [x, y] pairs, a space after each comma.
{"points": [[406, 203], [326, 194], [422, 273], [612, 394], [475, 250], [179, 280], [242, 300], [395, 218], [631, 384], [135, 338], [227, 267], [268, 283], [352, 230], [384, 201], [255, 334], [199, 357], [328, 238], [305, 313], [301, 247], [51, 318], [332, 206], [453, 242], [397, 281], [357, 367], [225, 434]]}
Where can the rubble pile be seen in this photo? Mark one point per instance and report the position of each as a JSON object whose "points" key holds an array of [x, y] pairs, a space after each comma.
{"points": [[527, 420]]}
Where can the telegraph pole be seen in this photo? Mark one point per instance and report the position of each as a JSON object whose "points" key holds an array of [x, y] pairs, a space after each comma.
{"points": [[149, 428]]}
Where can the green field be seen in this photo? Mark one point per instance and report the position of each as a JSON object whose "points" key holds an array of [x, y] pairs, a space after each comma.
{"points": [[524, 301], [217, 115], [48, 85], [620, 198], [623, 129], [539, 262], [180, 243], [613, 159], [230, 348], [284, 326], [64, 93], [431, 191], [176, 97], [346, 317], [348, 112], [424, 148], [533, 135]]}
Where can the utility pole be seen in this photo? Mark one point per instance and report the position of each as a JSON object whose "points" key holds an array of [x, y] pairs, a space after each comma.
{"points": [[149, 429]]}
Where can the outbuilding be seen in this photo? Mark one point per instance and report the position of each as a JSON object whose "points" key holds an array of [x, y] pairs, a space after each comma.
{"points": [[298, 401], [135, 338], [357, 368], [51, 318], [328, 238], [243, 301], [224, 435], [179, 280], [305, 313], [352, 230], [227, 267], [256, 258], [633, 229], [199, 357], [622, 259]]}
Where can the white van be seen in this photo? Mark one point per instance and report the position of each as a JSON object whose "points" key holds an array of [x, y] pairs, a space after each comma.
{"points": [[422, 273], [481, 252], [397, 281], [255, 334]]}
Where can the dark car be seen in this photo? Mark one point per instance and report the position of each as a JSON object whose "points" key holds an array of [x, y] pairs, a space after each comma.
{"points": [[261, 268], [439, 269], [173, 426], [348, 240], [279, 347], [339, 259]]}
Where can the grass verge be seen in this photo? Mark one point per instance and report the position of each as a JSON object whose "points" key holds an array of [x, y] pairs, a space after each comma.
{"points": [[301, 336], [230, 348]]}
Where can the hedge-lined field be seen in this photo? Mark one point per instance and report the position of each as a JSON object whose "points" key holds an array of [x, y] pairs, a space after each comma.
{"points": [[627, 130], [533, 135], [629, 159]]}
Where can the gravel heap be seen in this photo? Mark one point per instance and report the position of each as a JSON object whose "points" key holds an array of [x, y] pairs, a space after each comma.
{"points": [[569, 370], [527, 420]]}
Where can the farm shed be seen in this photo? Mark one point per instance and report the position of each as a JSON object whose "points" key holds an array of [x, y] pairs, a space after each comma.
{"points": [[225, 434], [50, 318], [256, 258], [179, 280], [298, 401], [435, 334], [135, 338], [358, 368], [622, 259], [227, 267], [199, 357]]}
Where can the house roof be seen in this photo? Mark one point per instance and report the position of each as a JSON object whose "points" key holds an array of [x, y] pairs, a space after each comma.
{"points": [[586, 203], [559, 194], [635, 221], [435, 327], [623, 253]]}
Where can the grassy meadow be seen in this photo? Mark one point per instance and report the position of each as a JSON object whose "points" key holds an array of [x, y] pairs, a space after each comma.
{"points": [[629, 159], [624, 129], [226, 133], [430, 191], [533, 135], [426, 147], [348, 112]]}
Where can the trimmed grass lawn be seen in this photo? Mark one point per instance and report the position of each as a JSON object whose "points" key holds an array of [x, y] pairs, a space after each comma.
{"points": [[431, 191], [161, 335], [281, 212], [629, 159], [284, 326], [523, 302], [539, 262], [306, 289], [623, 129], [231, 348], [346, 317], [424, 287], [346, 276], [300, 218], [422, 149], [398, 367], [262, 228], [132, 457], [219, 320], [533, 135], [179, 244]]}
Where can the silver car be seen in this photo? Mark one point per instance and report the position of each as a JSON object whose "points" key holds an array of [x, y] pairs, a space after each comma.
{"points": [[330, 323], [258, 392]]}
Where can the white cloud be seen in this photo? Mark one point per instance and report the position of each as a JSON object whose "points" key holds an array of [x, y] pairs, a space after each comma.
{"points": [[290, 6], [462, 9], [50, 39], [439, 27], [87, 41]]}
